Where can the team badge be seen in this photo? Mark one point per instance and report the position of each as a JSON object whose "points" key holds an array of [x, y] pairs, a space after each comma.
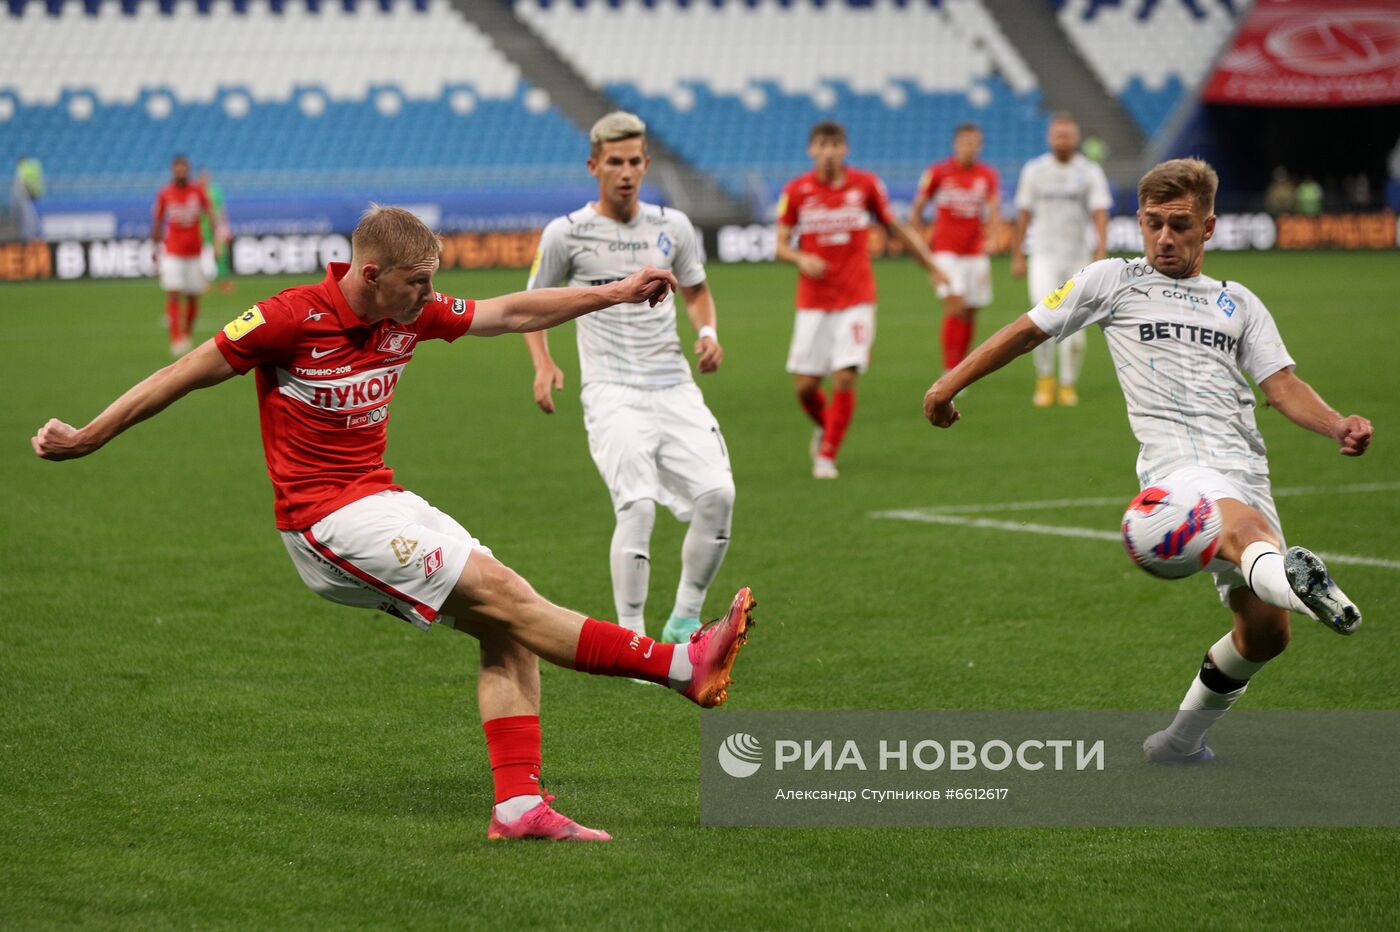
{"points": [[1055, 298], [1226, 305], [432, 562], [663, 243], [244, 324], [396, 342]]}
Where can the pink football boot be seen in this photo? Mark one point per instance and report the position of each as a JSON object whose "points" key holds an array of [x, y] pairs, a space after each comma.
{"points": [[544, 823], [713, 649]]}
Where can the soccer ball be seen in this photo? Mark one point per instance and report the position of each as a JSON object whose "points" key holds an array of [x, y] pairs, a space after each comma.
{"points": [[1172, 530]]}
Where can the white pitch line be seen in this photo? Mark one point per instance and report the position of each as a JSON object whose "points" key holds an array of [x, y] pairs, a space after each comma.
{"points": [[1055, 530], [1051, 503]]}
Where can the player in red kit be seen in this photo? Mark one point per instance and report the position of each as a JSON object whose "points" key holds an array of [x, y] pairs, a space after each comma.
{"points": [[966, 195], [829, 209], [328, 358], [179, 207]]}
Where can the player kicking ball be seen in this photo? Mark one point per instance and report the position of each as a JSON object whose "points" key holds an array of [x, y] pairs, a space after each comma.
{"points": [[328, 358], [650, 433], [829, 210], [1182, 344]]}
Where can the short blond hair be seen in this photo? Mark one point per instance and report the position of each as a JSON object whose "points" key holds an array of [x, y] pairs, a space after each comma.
{"points": [[615, 127], [1180, 178], [392, 238]]}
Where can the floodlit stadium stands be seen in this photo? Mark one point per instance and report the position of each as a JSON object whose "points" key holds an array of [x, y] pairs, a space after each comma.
{"points": [[1150, 53], [734, 86]]}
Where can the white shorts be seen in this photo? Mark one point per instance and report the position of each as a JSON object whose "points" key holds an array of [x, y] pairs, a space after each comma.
{"points": [[184, 274], [1253, 490], [1046, 273], [824, 342], [661, 444], [390, 551], [969, 277]]}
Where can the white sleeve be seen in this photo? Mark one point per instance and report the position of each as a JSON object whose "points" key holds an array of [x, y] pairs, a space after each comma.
{"points": [[1025, 196], [1262, 352], [689, 261], [1100, 194], [551, 265], [1083, 300]]}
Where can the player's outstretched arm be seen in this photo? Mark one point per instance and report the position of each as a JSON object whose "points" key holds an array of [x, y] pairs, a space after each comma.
{"points": [[542, 308], [1300, 403], [202, 367], [1015, 339]]}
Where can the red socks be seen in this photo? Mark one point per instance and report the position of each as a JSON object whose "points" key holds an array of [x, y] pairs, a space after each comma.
{"points": [[191, 312], [815, 406], [838, 418], [513, 744], [612, 650], [172, 315], [957, 340]]}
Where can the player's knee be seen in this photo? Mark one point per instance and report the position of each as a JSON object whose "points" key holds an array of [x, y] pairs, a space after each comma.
{"points": [[1242, 526], [843, 380], [504, 590], [635, 521], [716, 506]]}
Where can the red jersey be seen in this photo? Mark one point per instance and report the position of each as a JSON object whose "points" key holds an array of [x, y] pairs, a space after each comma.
{"points": [[325, 379], [833, 222], [961, 195], [179, 208]]}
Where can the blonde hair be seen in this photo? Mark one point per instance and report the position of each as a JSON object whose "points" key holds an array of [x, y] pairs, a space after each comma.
{"points": [[392, 238], [615, 127], [1179, 178]]}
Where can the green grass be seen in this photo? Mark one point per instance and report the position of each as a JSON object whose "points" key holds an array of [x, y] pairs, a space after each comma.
{"points": [[188, 737]]}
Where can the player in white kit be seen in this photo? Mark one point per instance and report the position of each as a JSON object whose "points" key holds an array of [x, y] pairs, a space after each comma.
{"points": [[650, 433], [1182, 344], [1058, 194]]}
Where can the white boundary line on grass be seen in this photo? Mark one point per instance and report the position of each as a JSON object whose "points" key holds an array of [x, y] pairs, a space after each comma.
{"points": [[958, 516]]}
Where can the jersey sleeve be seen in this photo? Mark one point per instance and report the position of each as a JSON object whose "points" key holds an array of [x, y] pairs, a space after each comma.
{"points": [[1025, 190], [551, 266], [689, 260], [1100, 194], [878, 201], [1262, 352], [265, 333], [929, 182], [787, 207], [446, 318], [1083, 300]]}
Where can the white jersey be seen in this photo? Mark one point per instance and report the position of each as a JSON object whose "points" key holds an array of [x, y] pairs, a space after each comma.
{"points": [[1062, 198], [1182, 348], [627, 344]]}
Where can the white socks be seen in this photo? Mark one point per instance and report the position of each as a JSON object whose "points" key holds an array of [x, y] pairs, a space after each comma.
{"points": [[682, 671], [631, 563], [508, 810], [1071, 352], [1222, 681], [1262, 567], [706, 542]]}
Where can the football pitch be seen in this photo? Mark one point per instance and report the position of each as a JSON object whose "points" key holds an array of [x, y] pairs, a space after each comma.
{"points": [[191, 738]]}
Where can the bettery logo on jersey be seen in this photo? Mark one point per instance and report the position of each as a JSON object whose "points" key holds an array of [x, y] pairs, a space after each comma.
{"points": [[244, 324], [1057, 297], [1226, 305], [396, 342], [1190, 333]]}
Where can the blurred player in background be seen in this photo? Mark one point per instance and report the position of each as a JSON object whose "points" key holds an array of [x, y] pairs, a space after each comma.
{"points": [[829, 209], [328, 358], [1182, 344], [966, 197], [180, 208], [650, 433], [1057, 195], [215, 230]]}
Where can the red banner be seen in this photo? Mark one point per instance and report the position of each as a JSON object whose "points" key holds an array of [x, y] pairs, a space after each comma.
{"points": [[1312, 53]]}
